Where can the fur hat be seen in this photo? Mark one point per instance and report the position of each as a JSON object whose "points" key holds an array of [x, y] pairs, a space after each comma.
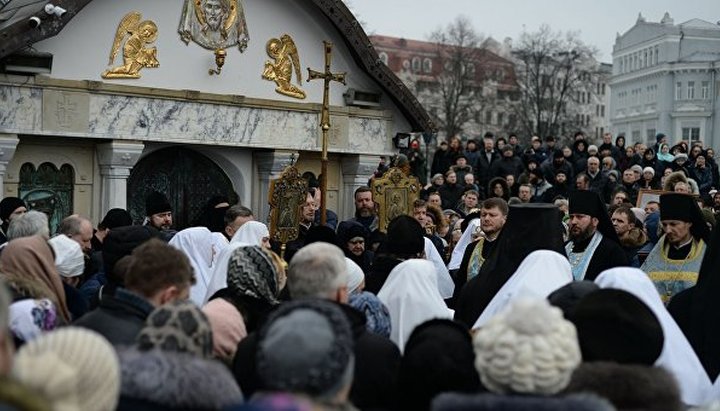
{"points": [[321, 360], [74, 368], [156, 203], [8, 205], [528, 349]]}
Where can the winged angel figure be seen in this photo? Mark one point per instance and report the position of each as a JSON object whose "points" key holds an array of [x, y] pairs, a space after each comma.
{"points": [[135, 55], [285, 53], [214, 24]]}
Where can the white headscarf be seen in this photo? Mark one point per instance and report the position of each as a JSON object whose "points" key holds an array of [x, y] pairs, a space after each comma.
{"points": [[251, 233], [69, 258], [197, 243], [446, 285], [465, 239], [355, 276], [540, 273], [411, 295], [677, 355]]}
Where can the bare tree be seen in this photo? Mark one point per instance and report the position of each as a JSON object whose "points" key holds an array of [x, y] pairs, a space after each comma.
{"points": [[455, 85], [553, 70]]}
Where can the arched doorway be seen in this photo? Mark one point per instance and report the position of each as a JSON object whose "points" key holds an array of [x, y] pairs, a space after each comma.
{"points": [[186, 177]]}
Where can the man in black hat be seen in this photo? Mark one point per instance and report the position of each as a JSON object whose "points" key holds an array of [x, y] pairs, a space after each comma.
{"points": [[158, 211], [674, 262], [593, 246], [10, 207]]}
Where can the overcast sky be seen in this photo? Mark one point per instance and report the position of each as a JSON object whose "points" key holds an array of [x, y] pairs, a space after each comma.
{"points": [[597, 21]]}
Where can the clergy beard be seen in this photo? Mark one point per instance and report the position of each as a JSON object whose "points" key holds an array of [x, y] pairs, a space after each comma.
{"points": [[582, 235]]}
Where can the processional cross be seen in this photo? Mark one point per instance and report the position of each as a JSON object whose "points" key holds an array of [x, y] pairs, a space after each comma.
{"points": [[327, 76]]}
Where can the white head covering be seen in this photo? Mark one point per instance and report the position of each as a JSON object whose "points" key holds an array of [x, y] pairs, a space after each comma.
{"points": [[677, 355], [465, 239], [251, 233], [198, 245], [69, 258], [218, 274], [540, 273], [446, 285], [411, 295], [355, 276]]}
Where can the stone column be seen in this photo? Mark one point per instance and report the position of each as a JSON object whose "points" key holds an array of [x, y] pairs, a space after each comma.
{"points": [[8, 145], [357, 170], [270, 164], [116, 160]]}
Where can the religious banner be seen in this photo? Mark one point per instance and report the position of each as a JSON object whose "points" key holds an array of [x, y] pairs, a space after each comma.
{"points": [[286, 197], [395, 192]]}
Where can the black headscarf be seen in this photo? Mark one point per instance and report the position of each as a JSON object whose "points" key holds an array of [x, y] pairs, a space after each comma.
{"points": [[529, 227], [697, 310]]}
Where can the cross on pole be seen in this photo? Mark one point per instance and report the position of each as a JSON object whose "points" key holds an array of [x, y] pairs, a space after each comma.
{"points": [[327, 76]]}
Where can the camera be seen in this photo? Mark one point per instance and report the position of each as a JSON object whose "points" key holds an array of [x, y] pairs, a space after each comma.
{"points": [[56, 10], [34, 21]]}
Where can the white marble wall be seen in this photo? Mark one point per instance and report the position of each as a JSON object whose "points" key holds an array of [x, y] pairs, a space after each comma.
{"points": [[166, 120]]}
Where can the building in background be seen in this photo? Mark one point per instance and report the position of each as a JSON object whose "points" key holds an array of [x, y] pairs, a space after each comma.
{"points": [[665, 80]]}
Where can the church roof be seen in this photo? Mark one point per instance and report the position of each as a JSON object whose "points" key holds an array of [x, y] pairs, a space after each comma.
{"points": [[16, 34], [700, 24]]}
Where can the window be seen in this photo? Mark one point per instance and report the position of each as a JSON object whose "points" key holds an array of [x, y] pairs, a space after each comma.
{"points": [[500, 118], [488, 117], [691, 134], [603, 89], [650, 134], [678, 90], [635, 135], [705, 93], [416, 64], [691, 90], [427, 65], [597, 109], [384, 58], [645, 58], [657, 60], [602, 110]]}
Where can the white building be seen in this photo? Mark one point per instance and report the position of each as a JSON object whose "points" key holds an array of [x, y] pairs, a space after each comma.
{"points": [[87, 144], [664, 80]]}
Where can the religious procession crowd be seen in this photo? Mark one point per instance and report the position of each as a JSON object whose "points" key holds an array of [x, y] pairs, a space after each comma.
{"points": [[514, 290]]}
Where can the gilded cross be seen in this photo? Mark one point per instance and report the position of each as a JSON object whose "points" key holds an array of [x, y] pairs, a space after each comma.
{"points": [[327, 76]]}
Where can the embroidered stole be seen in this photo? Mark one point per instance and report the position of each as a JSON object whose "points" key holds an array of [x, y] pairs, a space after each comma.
{"points": [[580, 261]]}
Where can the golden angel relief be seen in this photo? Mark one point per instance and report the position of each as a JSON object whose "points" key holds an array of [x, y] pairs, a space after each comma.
{"points": [[136, 55], [287, 60]]}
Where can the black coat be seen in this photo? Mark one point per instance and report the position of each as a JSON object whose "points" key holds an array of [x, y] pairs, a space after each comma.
{"points": [[377, 364], [118, 318], [381, 267], [483, 172]]}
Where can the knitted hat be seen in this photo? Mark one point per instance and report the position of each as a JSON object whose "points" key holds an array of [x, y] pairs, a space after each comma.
{"points": [[637, 168], [355, 276], [528, 349], [74, 368], [592, 148], [8, 205], [116, 217], [251, 273], [31, 318], [614, 325], [405, 236], [376, 313], [228, 327], [69, 258], [649, 170], [156, 203], [179, 326], [306, 347]]}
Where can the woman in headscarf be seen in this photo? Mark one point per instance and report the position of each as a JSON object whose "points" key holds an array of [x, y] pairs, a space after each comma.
{"points": [[252, 233], [677, 355], [412, 297], [498, 187], [664, 158], [31, 258], [201, 247], [353, 238], [540, 273], [171, 366], [255, 277]]}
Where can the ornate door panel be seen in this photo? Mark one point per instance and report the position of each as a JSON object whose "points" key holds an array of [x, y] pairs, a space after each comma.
{"points": [[48, 189], [187, 178]]}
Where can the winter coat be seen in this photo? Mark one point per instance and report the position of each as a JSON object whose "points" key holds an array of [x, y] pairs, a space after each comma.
{"points": [[441, 163], [381, 267], [493, 402], [166, 380], [451, 195], [505, 166], [628, 387], [483, 169], [119, 318], [377, 365], [704, 179]]}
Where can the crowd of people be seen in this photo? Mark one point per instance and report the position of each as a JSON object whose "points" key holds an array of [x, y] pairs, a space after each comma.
{"points": [[503, 287]]}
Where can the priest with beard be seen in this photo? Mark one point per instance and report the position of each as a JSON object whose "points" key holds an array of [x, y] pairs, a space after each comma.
{"points": [[529, 227], [593, 246]]}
